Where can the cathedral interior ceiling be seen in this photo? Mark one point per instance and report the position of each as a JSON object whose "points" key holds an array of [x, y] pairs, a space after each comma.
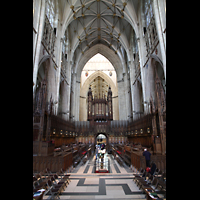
{"points": [[100, 22]]}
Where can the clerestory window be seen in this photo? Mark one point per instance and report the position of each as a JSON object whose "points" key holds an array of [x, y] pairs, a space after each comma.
{"points": [[50, 11]]}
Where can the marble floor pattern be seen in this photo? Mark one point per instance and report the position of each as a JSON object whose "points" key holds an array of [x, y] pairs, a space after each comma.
{"points": [[85, 184]]}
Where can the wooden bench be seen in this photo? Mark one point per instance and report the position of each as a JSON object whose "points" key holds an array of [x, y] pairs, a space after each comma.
{"points": [[119, 161], [127, 160], [84, 160]]}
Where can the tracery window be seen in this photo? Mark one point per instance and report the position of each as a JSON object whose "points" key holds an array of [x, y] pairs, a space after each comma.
{"points": [[148, 11], [150, 32], [50, 11], [49, 33]]}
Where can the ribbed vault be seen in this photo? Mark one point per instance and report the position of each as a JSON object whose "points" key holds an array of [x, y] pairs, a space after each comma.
{"points": [[107, 22]]}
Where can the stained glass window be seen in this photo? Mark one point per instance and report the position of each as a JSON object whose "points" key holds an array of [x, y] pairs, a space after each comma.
{"points": [[50, 11], [148, 11]]}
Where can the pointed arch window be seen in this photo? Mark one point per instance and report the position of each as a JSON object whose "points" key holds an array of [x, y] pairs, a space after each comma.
{"points": [[148, 11], [150, 32], [50, 11]]}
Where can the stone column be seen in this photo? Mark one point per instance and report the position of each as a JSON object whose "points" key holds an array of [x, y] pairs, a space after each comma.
{"points": [[77, 99], [122, 100], [160, 33], [132, 75], [38, 44], [51, 80], [64, 100], [72, 105], [68, 87], [128, 96]]}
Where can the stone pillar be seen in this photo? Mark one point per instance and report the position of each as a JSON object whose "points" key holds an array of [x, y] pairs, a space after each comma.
{"points": [[128, 97], [72, 105], [160, 33], [142, 76], [68, 87], [38, 44], [132, 79], [64, 100], [51, 80], [77, 99], [122, 100]]}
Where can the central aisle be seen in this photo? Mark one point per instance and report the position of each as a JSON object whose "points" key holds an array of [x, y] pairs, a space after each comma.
{"points": [[85, 184]]}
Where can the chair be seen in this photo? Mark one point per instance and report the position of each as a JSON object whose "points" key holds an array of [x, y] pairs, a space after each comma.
{"points": [[55, 189], [142, 182], [163, 177], [65, 176], [157, 172], [139, 172], [37, 186], [60, 182], [139, 177], [34, 179], [161, 185], [150, 179]]}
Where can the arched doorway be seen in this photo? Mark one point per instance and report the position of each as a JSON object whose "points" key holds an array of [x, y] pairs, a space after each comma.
{"points": [[102, 161], [100, 139], [104, 138]]}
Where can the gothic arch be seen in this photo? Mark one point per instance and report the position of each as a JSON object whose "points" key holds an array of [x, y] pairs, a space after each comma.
{"points": [[96, 135], [157, 59], [84, 90], [106, 52], [158, 68], [43, 59], [42, 71], [155, 66], [85, 86]]}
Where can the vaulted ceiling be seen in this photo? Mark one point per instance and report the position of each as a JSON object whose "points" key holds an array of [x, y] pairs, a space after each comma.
{"points": [[107, 22]]}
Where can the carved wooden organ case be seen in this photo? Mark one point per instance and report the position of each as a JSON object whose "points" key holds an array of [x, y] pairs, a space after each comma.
{"points": [[100, 109]]}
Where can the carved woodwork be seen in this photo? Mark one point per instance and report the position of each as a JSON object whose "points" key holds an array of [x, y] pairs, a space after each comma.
{"points": [[158, 111], [100, 109]]}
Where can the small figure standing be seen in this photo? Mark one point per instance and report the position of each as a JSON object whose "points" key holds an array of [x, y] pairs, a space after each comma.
{"points": [[147, 155], [153, 168], [97, 150]]}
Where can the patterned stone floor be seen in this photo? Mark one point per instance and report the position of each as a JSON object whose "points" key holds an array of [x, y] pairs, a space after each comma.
{"points": [[85, 184]]}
